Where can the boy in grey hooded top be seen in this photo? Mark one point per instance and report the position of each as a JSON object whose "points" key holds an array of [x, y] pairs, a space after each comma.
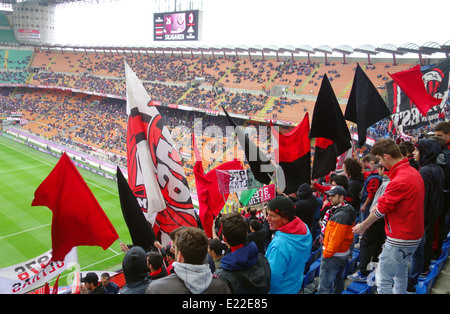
{"points": [[190, 274]]}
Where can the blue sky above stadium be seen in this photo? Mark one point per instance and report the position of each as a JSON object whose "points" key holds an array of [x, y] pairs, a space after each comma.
{"points": [[264, 22]]}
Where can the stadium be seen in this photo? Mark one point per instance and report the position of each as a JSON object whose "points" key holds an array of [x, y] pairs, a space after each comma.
{"points": [[72, 98]]}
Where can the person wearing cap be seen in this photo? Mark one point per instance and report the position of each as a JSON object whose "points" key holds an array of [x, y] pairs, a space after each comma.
{"points": [[289, 249], [91, 284], [337, 240]]}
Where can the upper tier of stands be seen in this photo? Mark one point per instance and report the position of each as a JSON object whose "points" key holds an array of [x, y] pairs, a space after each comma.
{"points": [[244, 86], [299, 77]]}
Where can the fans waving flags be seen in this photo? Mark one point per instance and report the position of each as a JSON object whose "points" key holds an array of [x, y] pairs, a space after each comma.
{"points": [[155, 173]]}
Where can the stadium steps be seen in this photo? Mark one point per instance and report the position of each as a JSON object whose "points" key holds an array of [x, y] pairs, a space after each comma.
{"points": [[271, 81], [305, 83], [77, 65], [263, 111], [53, 60], [224, 76], [346, 89], [180, 100]]}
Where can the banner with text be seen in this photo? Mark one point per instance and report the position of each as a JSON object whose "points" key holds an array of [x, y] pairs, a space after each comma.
{"points": [[236, 180], [29, 275], [264, 194]]}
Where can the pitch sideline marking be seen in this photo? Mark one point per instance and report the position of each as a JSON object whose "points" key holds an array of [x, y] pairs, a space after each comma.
{"points": [[23, 231], [45, 163], [17, 169]]}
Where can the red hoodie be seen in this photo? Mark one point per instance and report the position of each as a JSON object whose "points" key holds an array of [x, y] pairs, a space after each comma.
{"points": [[402, 206]]}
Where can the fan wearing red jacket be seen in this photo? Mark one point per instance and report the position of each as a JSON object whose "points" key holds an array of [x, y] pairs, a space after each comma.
{"points": [[402, 207]]}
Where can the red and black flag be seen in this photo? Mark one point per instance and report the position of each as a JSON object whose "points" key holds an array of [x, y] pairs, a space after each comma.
{"points": [[418, 96], [365, 105], [155, 173], [141, 231], [261, 166], [328, 120], [292, 153], [325, 158]]}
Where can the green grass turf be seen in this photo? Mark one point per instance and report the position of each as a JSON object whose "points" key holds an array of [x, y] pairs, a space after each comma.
{"points": [[25, 230]]}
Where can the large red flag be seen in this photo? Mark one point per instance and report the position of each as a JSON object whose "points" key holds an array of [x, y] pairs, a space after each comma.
{"points": [[210, 200], [411, 83], [78, 218]]}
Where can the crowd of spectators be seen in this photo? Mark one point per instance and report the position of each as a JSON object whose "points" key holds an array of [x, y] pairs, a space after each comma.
{"points": [[88, 121]]}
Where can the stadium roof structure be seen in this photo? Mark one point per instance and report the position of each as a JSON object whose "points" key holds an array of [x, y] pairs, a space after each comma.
{"points": [[388, 48], [345, 50], [428, 48], [47, 2]]}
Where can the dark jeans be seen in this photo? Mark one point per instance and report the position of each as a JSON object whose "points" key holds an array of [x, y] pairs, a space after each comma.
{"points": [[371, 245], [331, 278]]}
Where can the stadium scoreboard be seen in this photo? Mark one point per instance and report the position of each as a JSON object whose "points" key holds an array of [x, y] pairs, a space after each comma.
{"points": [[177, 26]]}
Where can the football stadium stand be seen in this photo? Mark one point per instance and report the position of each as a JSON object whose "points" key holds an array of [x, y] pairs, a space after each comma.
{"points": [[76, 96]]}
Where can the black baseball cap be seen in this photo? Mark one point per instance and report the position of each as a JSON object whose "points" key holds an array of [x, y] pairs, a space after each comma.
{"points": [[336, 190], [90, 278]]}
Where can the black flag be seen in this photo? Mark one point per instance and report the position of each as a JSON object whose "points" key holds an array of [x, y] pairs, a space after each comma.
{"points": [[141, 231], [365, 106], [328, 120]]}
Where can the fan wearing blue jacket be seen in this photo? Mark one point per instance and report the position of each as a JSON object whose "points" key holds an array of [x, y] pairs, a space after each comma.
{"points": [[289, 249]]}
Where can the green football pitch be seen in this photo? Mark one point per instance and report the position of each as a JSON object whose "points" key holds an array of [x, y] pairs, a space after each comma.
{"points": [[25, 230]]}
